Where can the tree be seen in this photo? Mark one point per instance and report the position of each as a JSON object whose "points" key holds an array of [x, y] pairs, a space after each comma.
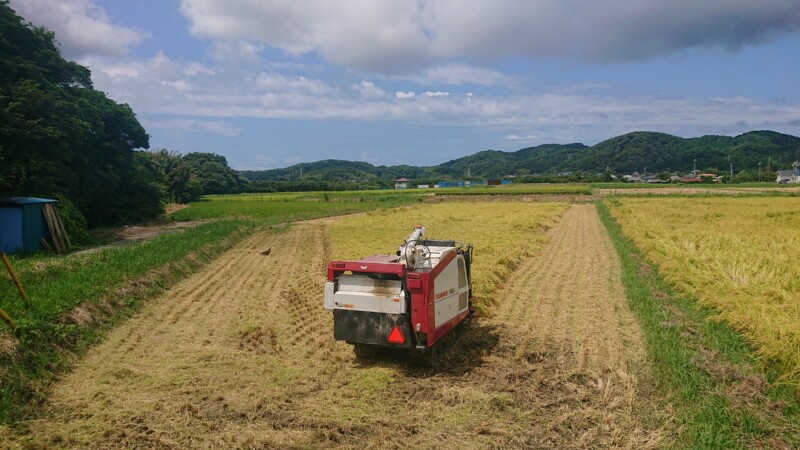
{"points": [[214, 174], [60, 136], [179, 182]]}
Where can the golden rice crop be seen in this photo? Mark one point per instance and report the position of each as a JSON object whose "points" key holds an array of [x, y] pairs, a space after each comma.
{"points": [[503, 234], [739, 255]]}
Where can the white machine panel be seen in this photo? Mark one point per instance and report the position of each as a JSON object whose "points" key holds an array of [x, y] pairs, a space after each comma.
{"points": [[329, 287], [447, 290], [362, 293]]}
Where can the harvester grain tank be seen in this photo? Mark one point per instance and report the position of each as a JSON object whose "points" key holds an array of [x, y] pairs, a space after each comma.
{"points": [[409, 301]]}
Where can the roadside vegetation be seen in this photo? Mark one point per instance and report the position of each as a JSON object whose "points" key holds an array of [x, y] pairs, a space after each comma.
{"points": [[724, 396]]}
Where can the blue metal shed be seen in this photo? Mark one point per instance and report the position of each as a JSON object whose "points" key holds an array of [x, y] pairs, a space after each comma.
{"points": [[22, 225]]}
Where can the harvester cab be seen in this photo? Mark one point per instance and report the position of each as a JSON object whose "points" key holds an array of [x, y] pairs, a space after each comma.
{"points": [[409, 300]]}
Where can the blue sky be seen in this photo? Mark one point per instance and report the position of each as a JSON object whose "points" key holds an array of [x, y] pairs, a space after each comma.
{"points": [[271, 83]]}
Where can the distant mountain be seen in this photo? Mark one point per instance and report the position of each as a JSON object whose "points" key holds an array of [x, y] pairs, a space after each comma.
{"points": [[663, 152], [637, 151]]}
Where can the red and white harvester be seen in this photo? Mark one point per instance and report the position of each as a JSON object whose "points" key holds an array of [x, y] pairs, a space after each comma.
{"points": [[408, 301]]}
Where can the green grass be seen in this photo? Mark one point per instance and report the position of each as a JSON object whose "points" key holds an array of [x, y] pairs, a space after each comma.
{"points": [[703, 364], [275, 208]]}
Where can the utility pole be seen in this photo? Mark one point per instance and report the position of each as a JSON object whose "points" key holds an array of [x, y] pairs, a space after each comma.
{"points": [[759, 171], [694, 168], [731, 179]]}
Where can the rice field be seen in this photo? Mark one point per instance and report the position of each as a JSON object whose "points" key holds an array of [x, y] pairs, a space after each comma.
{"points": [[737, 255], [274, 208], [241, 354], [503, 234]]}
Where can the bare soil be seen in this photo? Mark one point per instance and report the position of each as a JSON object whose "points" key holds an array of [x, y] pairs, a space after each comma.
{"points": [[172, 207], [141, 233], [241, 356]]}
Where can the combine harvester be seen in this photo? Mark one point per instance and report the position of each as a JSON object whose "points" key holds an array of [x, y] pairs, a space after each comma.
{"points": [[409, 301]]}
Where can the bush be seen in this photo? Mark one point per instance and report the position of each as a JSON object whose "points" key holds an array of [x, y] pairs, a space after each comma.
{"points": [[74, 222]]}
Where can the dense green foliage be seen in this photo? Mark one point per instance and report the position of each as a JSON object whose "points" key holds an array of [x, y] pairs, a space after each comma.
{"points": [[60, 136], [655, 152], [213, 173], [178, 182], [185, 178]]}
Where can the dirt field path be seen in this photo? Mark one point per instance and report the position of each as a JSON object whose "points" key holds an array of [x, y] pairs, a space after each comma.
{"points": [[241, 355], [565, 312]]}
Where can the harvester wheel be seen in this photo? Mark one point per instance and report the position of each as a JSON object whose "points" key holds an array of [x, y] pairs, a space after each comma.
{"points": [[365, 351]]}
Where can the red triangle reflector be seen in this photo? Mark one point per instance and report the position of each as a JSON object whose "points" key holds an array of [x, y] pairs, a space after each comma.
{"points": [[396, 336]]}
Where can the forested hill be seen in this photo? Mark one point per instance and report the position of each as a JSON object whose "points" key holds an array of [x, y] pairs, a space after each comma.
{"points": [[657, 152]]}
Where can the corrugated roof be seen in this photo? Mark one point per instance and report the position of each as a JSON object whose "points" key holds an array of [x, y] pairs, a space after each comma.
{"points": [[13, 201]]}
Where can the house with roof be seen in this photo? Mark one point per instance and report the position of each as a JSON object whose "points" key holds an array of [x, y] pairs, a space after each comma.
{"points": [[711, 176], [401, 183], [789, 176]]}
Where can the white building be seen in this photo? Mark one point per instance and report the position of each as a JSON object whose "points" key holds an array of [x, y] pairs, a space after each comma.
{"points": [[789, 176]]}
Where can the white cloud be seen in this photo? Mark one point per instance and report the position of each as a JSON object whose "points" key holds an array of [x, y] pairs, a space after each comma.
{"points": [[82, 28], [396, 36], [260, 157], [368, 90], [259, 161], [368, 157], [294, 159], [530, 137], [276, 82], [459, 74], [236, 53], [214, 97], [213, 126]]}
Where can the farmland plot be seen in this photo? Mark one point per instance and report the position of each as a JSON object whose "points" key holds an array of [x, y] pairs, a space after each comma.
{"points": [[241, 354], [738, 255]]}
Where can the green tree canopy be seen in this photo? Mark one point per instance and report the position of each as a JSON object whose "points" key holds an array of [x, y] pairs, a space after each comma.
{"points": [[59, 136]]}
